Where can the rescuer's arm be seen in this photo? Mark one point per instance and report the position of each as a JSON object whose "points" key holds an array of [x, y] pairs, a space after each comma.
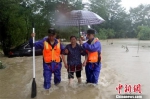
{"points": [[38, 44], [92, 47], [85, 61]]}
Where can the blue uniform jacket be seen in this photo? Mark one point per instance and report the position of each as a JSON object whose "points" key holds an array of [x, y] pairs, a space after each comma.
{"points": [[92, 47], [40, 44]]}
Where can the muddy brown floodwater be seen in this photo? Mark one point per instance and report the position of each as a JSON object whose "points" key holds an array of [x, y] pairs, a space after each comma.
{"points": [[118, 67]]}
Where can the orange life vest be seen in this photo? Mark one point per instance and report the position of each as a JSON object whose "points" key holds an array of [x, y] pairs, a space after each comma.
{"points": [[51, 54], [93, 56]]}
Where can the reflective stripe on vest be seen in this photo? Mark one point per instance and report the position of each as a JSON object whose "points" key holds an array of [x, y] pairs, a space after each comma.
{"points": [[93, 56], [51, 54]]}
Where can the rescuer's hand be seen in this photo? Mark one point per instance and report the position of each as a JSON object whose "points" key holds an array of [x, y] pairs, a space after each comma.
{"points": [[32, 34], [66, 51]]}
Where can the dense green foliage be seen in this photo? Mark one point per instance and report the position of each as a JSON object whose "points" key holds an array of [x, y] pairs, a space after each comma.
{"points": [[17, 16], [105, 33], [143, 32]]}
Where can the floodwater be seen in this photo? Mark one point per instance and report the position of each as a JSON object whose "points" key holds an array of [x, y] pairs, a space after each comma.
{"points": [[118, 67]]}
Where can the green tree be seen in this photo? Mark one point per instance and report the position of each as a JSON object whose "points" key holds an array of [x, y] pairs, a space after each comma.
{"points": [[17, 17], [105, 33], [47, 13], [140, 16], [12, 24], [143, 32], [115, 16]]}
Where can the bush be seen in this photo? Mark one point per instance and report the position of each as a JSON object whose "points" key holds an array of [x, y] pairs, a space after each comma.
{"points": [[143, 33], [105, 33]]}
